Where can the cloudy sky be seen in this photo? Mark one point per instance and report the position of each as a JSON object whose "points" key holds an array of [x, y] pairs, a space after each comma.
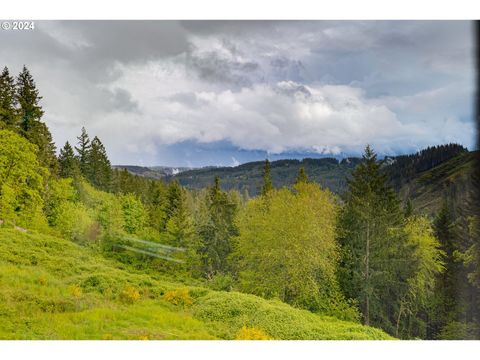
{"points": [[200, 93]]}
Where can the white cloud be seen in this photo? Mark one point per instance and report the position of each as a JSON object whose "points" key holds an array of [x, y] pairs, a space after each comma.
{"points": [[276, 118]]}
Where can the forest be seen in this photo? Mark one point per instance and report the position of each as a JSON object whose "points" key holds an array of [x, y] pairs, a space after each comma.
{"points": [[365, 255]]}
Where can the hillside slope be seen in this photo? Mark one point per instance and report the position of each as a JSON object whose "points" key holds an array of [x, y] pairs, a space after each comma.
{"points": [[450, 181], [328, 172], [51, 288]]}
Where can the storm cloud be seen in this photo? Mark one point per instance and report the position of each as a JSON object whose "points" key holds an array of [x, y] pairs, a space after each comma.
{"points": [[164, 92]]}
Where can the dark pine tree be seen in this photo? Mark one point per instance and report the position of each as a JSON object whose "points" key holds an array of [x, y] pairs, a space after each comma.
{"points": [[302, 176], [31, 127], [99, 170], [8, 101], [267, 178], [376, 261], [83, 150], [217, 230], [68, 163], [175, 200], [448, 285], [28, 100]]}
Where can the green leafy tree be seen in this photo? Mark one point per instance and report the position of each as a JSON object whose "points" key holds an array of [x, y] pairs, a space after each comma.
{"points": [[414, 309], [21, 181], [288, 250], [376, 256], [134, 214], [267, 178], [8, 101]]}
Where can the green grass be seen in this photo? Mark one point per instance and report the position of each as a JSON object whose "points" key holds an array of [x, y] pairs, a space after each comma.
{"points": [[51, 288]]}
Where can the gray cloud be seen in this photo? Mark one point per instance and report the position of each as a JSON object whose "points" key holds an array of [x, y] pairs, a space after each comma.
{"points": [[259, 85]]}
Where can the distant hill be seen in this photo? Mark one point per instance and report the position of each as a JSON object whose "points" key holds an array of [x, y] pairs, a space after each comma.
{"points": [[422, 176], [153, 172], [328, 172], [450, 181]]}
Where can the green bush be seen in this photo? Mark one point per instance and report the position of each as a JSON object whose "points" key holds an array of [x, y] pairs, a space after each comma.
{"points": [[221, 282], [230, 311]]}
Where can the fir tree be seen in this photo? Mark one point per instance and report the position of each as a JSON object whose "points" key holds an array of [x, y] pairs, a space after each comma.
{"points": [[68, 163], [175, 201], [408, 209], [302, 176], [448, 285], [217, 230], [376, 257], [83, 150], [28, 99], [267, 179], [8, 101], [99, 171], [30, 114]]}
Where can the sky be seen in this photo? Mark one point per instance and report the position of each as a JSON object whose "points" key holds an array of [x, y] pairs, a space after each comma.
{"points": [[198, 93]]}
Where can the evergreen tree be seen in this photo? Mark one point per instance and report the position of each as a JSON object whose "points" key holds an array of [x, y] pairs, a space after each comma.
{"points": [[30, 114], [267, 179], [175, 200], [302, 176], [28, 99], [376, 260], [408, 210], [83, 151], [217, 230], [8, 112], [68, 163], [448, 283], [99, 171]]}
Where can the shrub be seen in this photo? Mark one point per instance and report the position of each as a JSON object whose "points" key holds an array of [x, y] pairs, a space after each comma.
{"points": [[42, 280], [251, 333], [75, 222], [222, 282], [178, 297], [130, 295], [76, 291]]}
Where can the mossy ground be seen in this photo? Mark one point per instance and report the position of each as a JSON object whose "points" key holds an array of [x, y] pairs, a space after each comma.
{"points": [[51, 288]]}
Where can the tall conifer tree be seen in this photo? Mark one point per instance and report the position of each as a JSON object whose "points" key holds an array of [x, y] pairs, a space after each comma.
{"points": [[31, 127], [83, 150], [68, 163], [302, 176], [267, 178], [8, 111], [99, 170], [376, 257], [217, 230]]}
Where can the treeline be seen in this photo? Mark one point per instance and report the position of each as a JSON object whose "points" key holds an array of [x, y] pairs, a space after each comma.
{"points": [[406, 167], [364, 257]]}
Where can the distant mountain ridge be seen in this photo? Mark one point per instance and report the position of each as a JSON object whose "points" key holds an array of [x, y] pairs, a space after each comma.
{"points": [[330, 173]]}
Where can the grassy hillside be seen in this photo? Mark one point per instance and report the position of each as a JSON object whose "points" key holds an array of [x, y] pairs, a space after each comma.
{"points": [[51, 288]]}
